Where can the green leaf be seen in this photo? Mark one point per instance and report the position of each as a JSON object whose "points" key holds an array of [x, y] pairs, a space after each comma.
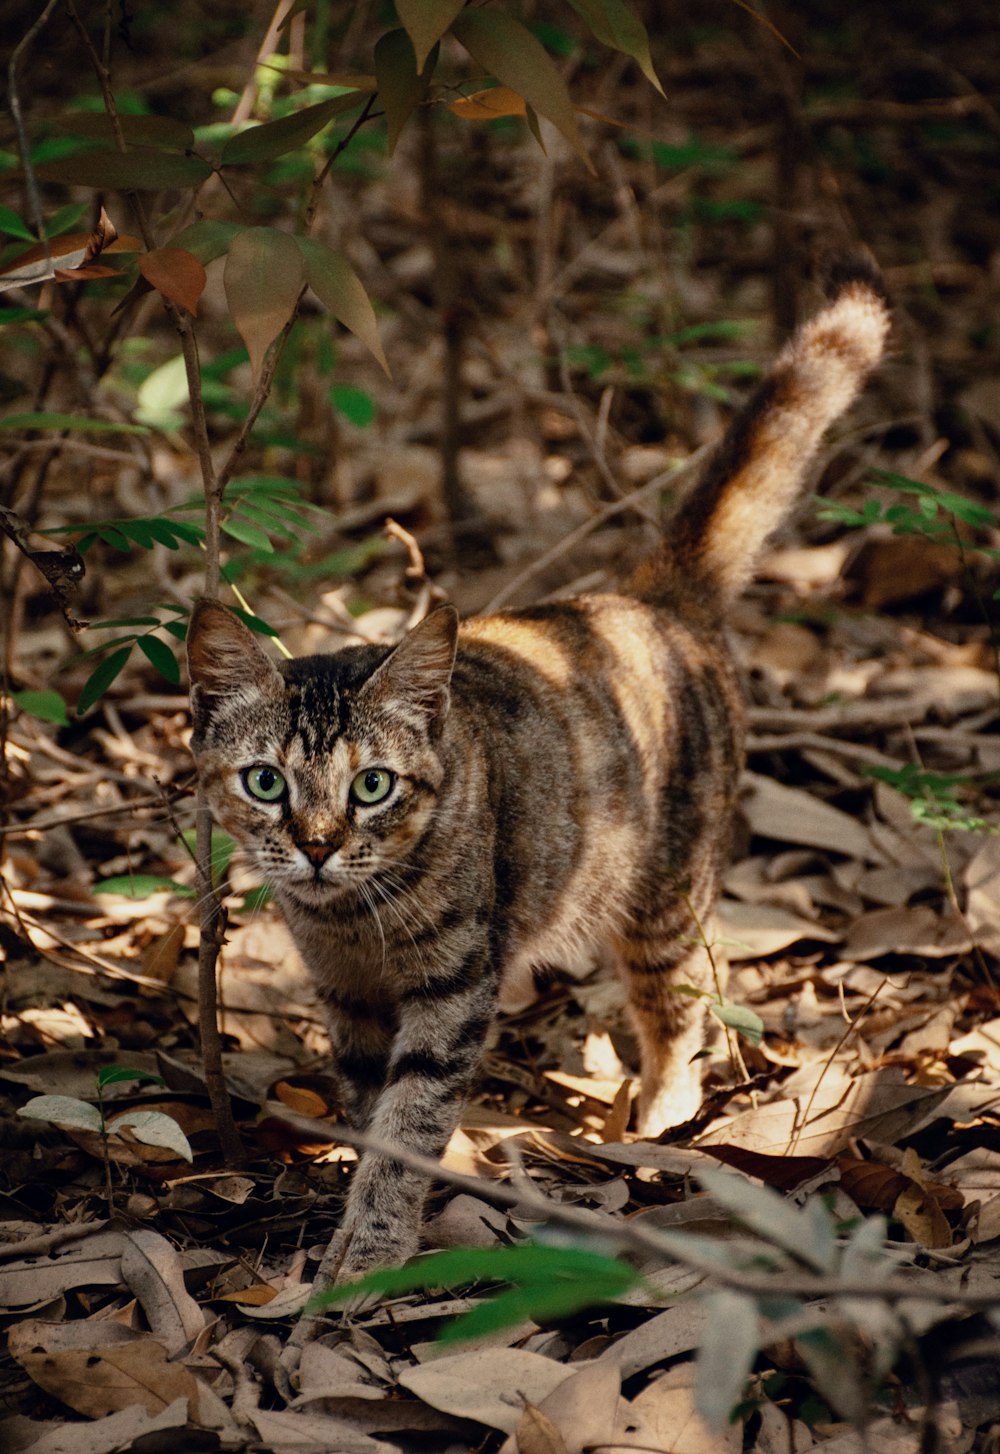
{"points": [[256, 899], [739, 1018], [141, 885], [63, 1111], [158, 654], [339, 288], [112, 1074], [263, 277], [46, 706], [426, 22], [12, 225], [223, 848], [255, 623], [248, 534], [99, 680], [164, 390], [206, 239], [156, 131], [65, 219], [153, 1128], [399, 83], [356, 405], [45, 419], [729, 1345], [140, 170], [509, 51], [170, 532], [137, 532], [614, 25], [549, 1281], [276, 138]]}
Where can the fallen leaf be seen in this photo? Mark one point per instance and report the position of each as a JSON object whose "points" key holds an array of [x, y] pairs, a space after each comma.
{"points": [[488, 1385], [152, 1269]]}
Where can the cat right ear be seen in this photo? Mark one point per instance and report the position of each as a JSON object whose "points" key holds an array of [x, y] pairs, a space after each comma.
{"points": [[416, 676], [224, 658]]}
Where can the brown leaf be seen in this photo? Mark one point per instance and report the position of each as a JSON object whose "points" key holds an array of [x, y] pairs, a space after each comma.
{"points": [[537, 1434], [784, 1173], [152, 1269], [300, 1098], [488, 105], [98, 1376], [177, 274], [263, 277]]}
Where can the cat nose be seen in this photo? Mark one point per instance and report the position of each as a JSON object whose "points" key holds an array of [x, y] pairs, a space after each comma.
{"points": [[317, 853]]}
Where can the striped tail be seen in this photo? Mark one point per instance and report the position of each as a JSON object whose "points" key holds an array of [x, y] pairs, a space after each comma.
{"points": [[754, 476]]}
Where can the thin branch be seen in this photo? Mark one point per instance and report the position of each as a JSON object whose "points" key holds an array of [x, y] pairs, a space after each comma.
{"points": [[631, 501], [633, 1236]]}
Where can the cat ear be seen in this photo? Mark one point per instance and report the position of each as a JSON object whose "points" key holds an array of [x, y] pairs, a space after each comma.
{"points": [[224, 659], [417, 674]]}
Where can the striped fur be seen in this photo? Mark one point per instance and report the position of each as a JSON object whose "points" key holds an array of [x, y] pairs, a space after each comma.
{"points": [[563, 778]]}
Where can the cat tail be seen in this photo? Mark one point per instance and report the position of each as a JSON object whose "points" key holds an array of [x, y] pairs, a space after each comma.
{"points": [[754, 475]]}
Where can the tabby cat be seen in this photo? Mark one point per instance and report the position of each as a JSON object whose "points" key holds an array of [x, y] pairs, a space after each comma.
{"points": [[437, 817]]}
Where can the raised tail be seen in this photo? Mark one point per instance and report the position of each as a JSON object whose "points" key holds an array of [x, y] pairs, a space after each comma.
{"points": [[754, 475]]}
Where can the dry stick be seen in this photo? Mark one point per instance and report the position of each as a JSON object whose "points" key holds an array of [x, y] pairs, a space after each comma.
{"points": [[632, 1236], [851, 1028], [617, 507]]}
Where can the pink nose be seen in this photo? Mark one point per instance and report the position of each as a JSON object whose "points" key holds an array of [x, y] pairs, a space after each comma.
{"points": [[317, 853]]}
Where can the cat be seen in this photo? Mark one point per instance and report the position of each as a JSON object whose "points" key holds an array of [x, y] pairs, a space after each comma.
{"points": [[439, 816]]}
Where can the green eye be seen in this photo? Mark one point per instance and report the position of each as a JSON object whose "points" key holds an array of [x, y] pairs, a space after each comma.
{"points": [[265, 783], [372, 785]]}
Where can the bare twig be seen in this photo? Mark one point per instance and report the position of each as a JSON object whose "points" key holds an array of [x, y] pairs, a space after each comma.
{"points": [[631, 501], [632, 1235]]}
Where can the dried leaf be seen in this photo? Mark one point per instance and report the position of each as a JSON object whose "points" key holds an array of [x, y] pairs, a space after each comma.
{"points": [[793, 816], [426, 21], [339, 288], [263, 277], [509, 51], [152, 1269], [537, 1434], [488, 105], [301, 1099], [487, 1385], [175, 273]]}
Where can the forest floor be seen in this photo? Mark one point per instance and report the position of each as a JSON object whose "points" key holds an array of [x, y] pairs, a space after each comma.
{"points": [[861, 913]]}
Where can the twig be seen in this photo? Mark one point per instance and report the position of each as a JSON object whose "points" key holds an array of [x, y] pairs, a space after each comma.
{"points": [[617, 507], [632, 1236]]}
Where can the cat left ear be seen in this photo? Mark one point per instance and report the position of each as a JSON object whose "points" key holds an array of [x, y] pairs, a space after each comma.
{"points": [[418, 672], [224, 658]]}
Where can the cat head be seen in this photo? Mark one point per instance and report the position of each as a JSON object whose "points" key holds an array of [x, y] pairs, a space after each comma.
{"points": [[325, 769]]}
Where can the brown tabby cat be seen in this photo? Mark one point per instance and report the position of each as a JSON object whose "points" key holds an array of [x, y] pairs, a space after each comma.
{"points": [[441, 815]]}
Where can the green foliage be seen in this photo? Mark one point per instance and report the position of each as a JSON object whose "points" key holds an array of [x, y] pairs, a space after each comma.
{"points": [[659, 359], [141, 886], [540, 1282], [923, 510], [47, 706], [934, 796], [152, 1128]]}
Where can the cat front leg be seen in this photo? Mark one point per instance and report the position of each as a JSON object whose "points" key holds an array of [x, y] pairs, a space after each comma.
{"points": [[436, 1051]]}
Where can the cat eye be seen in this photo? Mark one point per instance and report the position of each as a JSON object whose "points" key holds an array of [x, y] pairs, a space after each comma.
{"points": [[265, 783], [372, 785]]}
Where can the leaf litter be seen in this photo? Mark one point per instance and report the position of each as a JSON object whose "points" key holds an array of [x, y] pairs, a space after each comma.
{"points": [[864, 937]]}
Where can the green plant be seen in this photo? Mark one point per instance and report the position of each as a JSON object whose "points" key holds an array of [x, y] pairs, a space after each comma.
{"points": [[152, 1128]]}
